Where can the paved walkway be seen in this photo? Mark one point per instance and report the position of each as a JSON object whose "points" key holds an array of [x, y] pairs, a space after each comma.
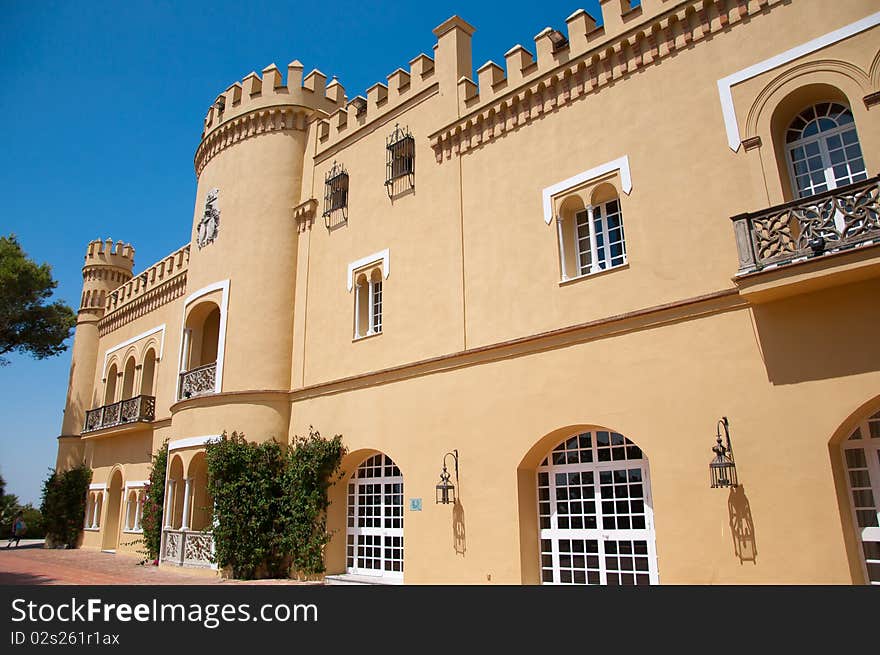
{"points": [[31, 564]]}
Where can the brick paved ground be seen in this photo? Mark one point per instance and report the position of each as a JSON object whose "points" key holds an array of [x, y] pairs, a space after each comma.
{"points": [[31, 564]]}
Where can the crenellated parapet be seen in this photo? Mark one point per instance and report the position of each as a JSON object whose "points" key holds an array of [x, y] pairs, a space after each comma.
{"points": [[382, 98], [160, 283], [107, 264], [266, 103], [584, 60]]}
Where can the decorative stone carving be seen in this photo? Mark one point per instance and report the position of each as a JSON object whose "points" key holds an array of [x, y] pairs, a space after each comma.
{"points": [[209, 226]]}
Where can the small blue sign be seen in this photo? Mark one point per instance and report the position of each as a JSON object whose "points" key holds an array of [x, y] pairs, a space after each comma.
{"points": [[415, 504]]}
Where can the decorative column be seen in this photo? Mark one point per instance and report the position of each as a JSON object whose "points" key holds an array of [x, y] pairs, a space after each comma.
{"points": [[169, 503], [559, 231], [357, 311], [371, 318], [187, 493]]}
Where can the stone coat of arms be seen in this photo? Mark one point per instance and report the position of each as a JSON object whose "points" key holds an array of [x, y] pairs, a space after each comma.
{"points": [[209, 226]]}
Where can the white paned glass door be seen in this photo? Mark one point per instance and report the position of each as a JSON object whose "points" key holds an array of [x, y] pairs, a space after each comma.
{"points": [[595, 515], [861, 457], [374, 522]]}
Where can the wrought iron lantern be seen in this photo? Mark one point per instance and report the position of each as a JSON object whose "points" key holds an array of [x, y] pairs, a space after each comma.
{"points": [[446, 490], [722, 468]]}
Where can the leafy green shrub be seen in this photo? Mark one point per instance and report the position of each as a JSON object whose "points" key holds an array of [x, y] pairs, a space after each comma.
{"points": [[269, 503], [64, 504]]}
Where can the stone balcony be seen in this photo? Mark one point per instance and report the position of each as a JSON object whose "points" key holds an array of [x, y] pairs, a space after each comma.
{"points": [[140, 409], [811, 243], [197, 382]]}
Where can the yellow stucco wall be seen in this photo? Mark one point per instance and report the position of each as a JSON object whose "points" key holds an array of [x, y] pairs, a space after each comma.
{"points": [[484, 348]]}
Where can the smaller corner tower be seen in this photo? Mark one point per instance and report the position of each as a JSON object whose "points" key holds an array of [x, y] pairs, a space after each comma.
{"points": [[107, 266]]}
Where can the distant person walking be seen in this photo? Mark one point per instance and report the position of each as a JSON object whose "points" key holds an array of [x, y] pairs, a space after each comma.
{"points": [[19, 527]]}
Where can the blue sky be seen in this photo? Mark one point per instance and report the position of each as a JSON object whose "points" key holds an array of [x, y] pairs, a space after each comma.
{"points": [[104, 103]]}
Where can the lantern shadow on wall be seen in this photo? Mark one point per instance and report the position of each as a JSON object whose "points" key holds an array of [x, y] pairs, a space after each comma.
{"points": [[742, 528]]}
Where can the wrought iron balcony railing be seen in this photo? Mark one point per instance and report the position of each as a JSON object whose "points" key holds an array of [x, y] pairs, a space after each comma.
{"points": [[132, 410], [198, 381], [827, 222]]}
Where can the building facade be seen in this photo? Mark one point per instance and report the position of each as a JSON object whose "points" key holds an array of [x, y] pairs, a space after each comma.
{"points": [[555, 276]]}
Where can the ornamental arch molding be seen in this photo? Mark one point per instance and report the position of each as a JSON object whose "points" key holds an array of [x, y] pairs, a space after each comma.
{"points": [[849, 79], [875, 72]]}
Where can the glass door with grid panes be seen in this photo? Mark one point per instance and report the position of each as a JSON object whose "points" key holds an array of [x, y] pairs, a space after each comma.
{"points": [[594, 513], [374, 526], [600, 242], [861, 456]]}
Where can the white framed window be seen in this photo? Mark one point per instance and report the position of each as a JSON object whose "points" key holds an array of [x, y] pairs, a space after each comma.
{"points": [[595, 514], [600, 242], [861, 459], [134, 509], [374, 521], [94, 507], [823, 149], [365, 278]]}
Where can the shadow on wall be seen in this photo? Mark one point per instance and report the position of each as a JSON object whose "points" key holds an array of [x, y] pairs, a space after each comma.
{"points": [[742, 528], [824, 334], [459, 533]]}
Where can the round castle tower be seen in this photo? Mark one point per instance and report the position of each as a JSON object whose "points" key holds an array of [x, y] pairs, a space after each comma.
{"points": [[241, 279], [107, 266]]}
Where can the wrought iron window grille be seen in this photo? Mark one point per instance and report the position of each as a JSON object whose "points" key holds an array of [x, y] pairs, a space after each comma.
{"points": [[335, 193], [400, 159]]}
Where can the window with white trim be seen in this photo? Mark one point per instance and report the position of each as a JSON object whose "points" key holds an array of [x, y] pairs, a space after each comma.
{"points": [[368, 303], [595, 514], [861, 458], [823, 150], [93, 509], [134, 508], [591, 236]]}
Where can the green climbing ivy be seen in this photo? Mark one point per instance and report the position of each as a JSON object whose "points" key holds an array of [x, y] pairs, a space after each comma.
{"points": [[154, 503], [270, 502]]}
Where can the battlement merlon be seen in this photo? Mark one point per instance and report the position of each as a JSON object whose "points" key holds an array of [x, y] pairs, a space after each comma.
{"points": [[270, 90], [107, 253]]}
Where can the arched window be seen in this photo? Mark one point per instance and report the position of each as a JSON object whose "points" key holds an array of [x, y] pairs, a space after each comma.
{"points": [[823, 150], [591, 237], [128, 379], [148, 373], [595, 514], [374, 526], [110, 386], [368, 303], [861, 457], [133, 510]]}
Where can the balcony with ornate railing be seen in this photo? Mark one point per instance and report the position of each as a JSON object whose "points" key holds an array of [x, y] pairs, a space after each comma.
{"points": [[187, 548], [198, 381], [832, 222], [140, 409]]}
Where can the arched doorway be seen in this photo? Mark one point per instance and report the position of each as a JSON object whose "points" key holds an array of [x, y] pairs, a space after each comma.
{"points": [[595, 514], [861, 461], [374, 519], [199, 514], [128, 379], [110, 385], [200, 351], [114, 503]]}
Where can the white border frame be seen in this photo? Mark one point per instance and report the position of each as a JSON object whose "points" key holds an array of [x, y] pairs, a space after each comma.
{"points": [[620, 164], [726, 83], [189, 442], [221, 339], [383, 256], [98, 486], [146, 334]]}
